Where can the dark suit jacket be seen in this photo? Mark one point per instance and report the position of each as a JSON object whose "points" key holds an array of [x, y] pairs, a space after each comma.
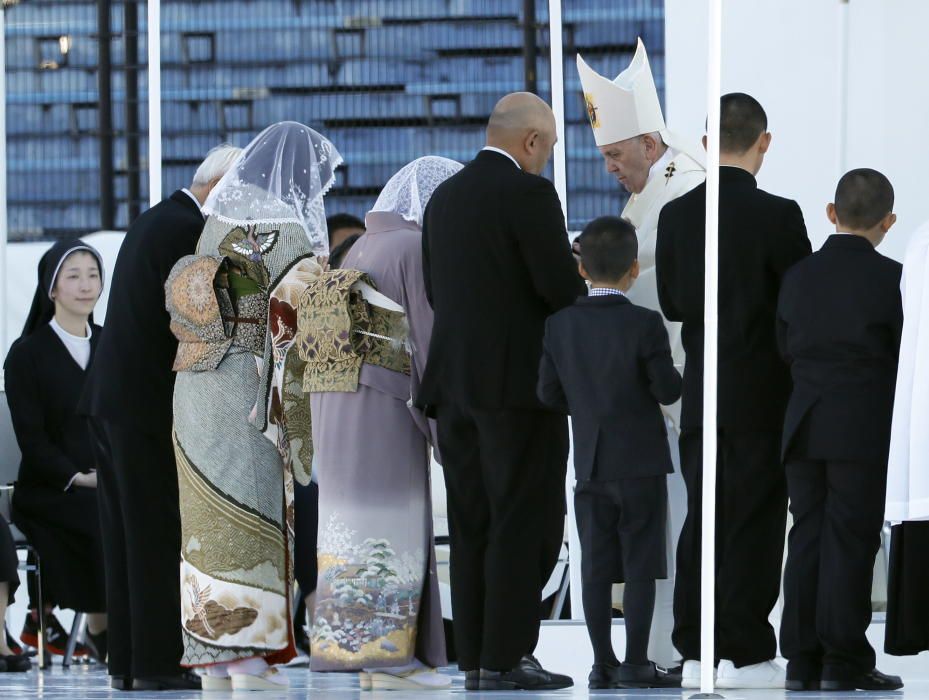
{"points": [[760, 237], [131, 377], [608, 363], [496, 262], [839, 320]]}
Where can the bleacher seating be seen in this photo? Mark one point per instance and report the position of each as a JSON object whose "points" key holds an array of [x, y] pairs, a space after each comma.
{"points": [[387, 80]]}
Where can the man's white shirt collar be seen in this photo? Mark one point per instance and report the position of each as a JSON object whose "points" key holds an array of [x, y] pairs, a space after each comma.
{"points": [[502, 153], [191, 195]]}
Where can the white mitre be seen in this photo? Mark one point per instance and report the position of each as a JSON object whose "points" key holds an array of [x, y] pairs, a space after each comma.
{"points": [[628, 106]]}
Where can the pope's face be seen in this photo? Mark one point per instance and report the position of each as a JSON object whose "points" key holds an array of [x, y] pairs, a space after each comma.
{"points": [[628, 162]]}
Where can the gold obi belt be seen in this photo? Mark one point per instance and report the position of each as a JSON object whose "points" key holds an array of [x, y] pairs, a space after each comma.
{"points": [[210, 312], [343, 322]]}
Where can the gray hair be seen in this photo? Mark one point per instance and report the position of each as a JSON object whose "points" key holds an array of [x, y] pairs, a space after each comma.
{"points": [[655, 135], [217, 162]]}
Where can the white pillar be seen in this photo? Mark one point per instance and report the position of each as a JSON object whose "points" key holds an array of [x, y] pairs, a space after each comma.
{"points": [[842, 106], [561, 186], [710, 346], [154, 102], [4, 229], [557, 84]]}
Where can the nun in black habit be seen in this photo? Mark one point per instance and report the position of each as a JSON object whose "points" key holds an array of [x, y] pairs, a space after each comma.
{"points": [[55, 500]]}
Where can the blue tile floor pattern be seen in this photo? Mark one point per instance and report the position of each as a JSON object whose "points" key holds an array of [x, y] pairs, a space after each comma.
{"points": [[90, 683]]}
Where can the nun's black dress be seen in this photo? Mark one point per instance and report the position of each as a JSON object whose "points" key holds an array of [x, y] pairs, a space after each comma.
{"points": [[43, 386]]}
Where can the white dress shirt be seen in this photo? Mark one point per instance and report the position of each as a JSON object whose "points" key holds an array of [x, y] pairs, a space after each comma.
{"points": [[502, 153], [193, 197]]}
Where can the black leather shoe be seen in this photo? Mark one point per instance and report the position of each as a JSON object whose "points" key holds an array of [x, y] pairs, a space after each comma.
{"points": [[182, 681], [803, 685], [472, 680], [15, 663], [872, 680], [603, 677], [528, 675], [647, 675], [121, 682]]}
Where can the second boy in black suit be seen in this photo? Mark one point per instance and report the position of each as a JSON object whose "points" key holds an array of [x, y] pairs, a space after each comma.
{"points": [[760, 237], [839, 321], [608, 363]]}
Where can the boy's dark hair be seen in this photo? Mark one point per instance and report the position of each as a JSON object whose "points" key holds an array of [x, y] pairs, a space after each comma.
{"points": [[742, 120], [862, 198], [337, 221], [609, 246]]}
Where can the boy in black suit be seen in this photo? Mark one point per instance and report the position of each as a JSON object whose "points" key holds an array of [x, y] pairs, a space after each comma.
{"points": [[608, 363], [839, 320], [761, 235]]}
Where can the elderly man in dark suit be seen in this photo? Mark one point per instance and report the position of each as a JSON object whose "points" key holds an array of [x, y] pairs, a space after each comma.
{"points": [[760, 237], [497, 263], [128, 395]]}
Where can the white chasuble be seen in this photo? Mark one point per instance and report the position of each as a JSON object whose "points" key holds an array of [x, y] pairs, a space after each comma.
{"points": [[908, 468]]}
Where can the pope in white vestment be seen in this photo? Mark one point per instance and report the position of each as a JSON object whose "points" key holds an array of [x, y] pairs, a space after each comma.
{"points": [[630, 132], [907, 506], [620, 111], [908, 465]]}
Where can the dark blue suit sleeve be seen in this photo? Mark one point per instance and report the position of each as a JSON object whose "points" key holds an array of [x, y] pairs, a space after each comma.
{"points": [[664, 380]]}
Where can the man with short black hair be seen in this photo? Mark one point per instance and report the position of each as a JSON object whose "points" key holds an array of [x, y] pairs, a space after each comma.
{"points": [[839, 324], [760, 237]]}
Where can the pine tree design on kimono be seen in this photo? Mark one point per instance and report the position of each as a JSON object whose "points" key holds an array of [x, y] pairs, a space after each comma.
{"points": [[368, 592]]}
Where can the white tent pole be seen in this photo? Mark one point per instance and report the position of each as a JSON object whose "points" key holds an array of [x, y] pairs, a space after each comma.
{"points": [[154, 102], [556, 55], [4, 229], [557, 85], [710, 343], [842, 103]]}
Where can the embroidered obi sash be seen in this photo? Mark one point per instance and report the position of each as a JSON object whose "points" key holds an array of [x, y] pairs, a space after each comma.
{"points": [[212, 308], [343, 322]]}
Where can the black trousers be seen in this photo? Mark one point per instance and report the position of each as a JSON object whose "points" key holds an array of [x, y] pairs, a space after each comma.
{"points": [[9, 560], [907, 629], [504, 477], [838, 510], [64, 528], [141, 528], [751, 515], [306, 528]]}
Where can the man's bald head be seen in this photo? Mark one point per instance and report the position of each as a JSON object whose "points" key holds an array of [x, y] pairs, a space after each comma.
{"points": [[523, 125]]}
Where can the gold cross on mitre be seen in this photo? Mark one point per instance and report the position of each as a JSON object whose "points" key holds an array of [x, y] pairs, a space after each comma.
{"points": [[592, 110]]}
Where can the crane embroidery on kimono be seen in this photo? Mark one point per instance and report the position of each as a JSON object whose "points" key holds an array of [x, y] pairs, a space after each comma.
{"points": [[198, 601], [255, 244]]}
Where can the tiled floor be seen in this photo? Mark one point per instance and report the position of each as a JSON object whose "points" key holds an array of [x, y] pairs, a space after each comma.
{"points": [[90, 683]]}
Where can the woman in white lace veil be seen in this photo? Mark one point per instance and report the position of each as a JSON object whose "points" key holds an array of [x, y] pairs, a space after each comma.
{"points": [[240, 431], [407, 193], [377, 489]]}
